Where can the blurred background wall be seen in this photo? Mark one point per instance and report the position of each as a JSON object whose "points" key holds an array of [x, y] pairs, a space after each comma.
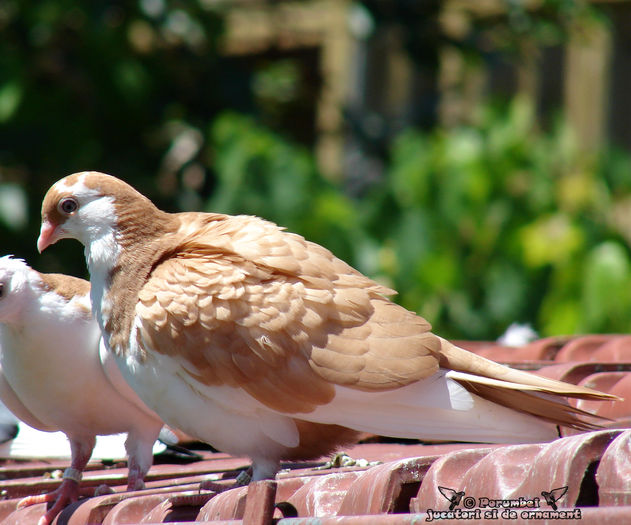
{"points": [[473, 154]]}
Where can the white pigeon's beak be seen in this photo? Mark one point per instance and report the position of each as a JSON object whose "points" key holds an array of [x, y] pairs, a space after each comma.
{"points": [[49, 234]]}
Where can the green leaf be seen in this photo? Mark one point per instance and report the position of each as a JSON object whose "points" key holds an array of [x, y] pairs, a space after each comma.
{"points": [[551, 239], [606, 284], [10, 98]]}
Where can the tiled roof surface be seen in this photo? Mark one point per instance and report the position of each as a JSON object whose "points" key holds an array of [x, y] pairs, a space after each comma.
{"points": [[403, 488]]}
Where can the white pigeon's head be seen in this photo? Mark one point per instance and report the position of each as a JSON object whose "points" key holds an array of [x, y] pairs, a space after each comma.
{"points": [[15, 279]]}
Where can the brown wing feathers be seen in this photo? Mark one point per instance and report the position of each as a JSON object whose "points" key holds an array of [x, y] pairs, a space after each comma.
{"points": [[468, 362], [285, 320], [519, 390], [555, 410]]}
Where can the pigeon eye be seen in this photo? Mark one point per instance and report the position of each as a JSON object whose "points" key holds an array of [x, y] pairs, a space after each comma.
{"points": [[68, 206]]}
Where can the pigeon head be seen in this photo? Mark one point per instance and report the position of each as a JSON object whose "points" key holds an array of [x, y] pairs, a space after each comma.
{"points": [[97, 209], [80, 206]]}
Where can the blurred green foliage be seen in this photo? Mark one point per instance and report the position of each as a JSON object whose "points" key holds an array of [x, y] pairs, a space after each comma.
{"points": [[476, 226], [511, 223], [97, 85]]}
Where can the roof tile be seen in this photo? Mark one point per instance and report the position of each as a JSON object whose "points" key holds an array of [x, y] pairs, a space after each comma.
{"points": [[323, 495], [386, 488], [133, 509], [259, 505], [584, 348], [225, 505], [179, 507], [446, 471], [26, 516], [614, 472]]}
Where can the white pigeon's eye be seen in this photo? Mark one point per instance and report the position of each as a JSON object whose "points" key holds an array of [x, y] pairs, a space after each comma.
{"points": [[68, 205]]}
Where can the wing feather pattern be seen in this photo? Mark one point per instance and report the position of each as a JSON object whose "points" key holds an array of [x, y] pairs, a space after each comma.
{"points": [[245, 304], [248, 305]]}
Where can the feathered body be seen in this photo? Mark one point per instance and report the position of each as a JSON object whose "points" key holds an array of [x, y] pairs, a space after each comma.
{"points": [[56, 375], [263, 343]]}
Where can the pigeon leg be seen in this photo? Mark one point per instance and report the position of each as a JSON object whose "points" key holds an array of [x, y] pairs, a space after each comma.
{"points": [[68, 491], [264, 468], [139, 458]]}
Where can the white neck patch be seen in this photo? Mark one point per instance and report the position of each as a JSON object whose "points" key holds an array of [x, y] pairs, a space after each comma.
{"points": [[94, 225]]}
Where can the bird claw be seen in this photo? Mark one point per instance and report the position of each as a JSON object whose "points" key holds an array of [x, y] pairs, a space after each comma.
{"points": [[211, 484], [103, 490], [34, 500], [243, 479], [134, 484], [67, 493]]}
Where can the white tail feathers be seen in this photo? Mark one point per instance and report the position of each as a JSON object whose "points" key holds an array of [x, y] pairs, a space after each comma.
{"points": [[470, 399], [438, 408]]}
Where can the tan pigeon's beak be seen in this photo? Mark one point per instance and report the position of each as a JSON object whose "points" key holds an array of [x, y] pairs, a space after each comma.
{"points": [[48, 235]]}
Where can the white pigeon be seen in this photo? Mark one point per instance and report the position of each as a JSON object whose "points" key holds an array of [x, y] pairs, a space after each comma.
{"points": [[264, 344], [56, 375]]}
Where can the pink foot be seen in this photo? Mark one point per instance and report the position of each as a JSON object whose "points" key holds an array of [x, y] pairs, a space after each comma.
{"points": [[134, 481], [67, 493], [103, 490]]}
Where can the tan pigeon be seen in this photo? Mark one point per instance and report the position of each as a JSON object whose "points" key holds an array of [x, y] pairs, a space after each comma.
{"points": [[56, 375], [264, 344]]}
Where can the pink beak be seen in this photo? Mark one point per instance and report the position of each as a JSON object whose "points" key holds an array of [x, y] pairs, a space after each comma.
{"points": [[48, 235]]}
